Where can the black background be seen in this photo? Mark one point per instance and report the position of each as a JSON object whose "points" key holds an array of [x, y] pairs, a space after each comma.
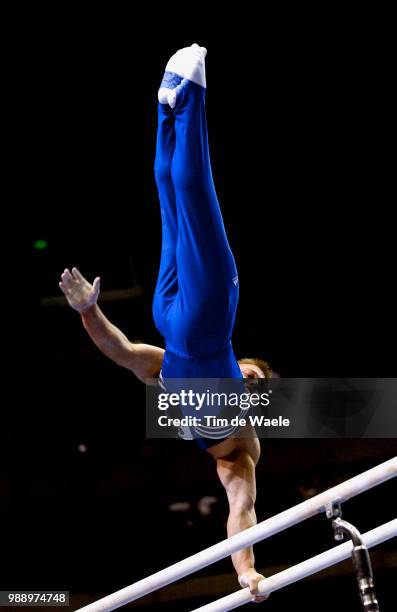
{"points": [[299, 113]]}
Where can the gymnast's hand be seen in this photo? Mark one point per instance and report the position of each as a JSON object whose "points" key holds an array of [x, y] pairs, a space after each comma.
{"points": [[80, 294], [251, 579]]}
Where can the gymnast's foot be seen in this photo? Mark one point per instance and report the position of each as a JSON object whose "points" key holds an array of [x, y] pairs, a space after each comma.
{"points": [[187, 63]]}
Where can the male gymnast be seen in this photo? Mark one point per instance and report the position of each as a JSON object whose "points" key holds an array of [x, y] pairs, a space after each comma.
{"points": [[197, 290]]}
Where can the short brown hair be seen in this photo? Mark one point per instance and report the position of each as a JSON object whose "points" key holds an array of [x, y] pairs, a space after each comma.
{"points": [[260, 363]]}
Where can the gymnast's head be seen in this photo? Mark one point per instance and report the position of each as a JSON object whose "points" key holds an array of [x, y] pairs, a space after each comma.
{"points": [[255, 368]]}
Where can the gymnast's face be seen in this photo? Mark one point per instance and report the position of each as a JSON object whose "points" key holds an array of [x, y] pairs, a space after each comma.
{"points": [[250, 370]]}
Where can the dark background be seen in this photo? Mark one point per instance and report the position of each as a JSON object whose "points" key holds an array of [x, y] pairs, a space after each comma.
{"points": [[299, 114]]}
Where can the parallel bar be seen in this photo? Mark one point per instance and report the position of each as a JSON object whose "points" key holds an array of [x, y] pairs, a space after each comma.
{"points": [[265, 529], [302, 570]]}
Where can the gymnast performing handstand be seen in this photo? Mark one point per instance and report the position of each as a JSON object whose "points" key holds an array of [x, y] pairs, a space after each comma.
{"points": [[197, 291]]}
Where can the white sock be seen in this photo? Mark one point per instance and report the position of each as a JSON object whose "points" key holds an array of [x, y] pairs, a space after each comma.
{"points": [[188, 63]]}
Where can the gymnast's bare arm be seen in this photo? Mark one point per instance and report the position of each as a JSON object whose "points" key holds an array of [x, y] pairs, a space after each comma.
{"points": [[143, 360]]}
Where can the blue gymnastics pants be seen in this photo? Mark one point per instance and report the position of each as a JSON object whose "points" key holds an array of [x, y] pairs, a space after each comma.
{"points": [[196, 296]]}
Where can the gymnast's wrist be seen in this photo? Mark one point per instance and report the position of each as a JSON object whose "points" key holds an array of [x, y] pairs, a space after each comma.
{"points": [[90, 312]]}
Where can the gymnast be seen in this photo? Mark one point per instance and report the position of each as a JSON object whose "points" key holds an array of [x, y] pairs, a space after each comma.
{"points": [[197, 291]]}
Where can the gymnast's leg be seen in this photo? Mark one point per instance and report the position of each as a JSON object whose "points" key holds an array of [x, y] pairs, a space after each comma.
{"points": [[207, 275], [167, 283]]}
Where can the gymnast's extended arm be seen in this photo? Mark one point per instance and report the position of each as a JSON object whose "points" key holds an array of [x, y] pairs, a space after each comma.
{"points": [[143, 360]]}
